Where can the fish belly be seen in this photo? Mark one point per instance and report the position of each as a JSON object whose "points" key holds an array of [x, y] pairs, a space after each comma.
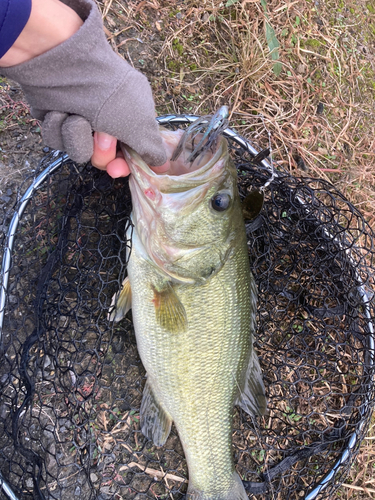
{"points": [[196, 374]]}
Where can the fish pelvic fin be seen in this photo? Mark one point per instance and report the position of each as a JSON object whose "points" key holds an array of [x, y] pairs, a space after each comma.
{"points": [[170, 312], [155, 421], [236, 491], [121, 302], [252, 399]]}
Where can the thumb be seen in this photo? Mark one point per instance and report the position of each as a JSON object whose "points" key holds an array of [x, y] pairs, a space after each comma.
{"points": [[104, 149]]}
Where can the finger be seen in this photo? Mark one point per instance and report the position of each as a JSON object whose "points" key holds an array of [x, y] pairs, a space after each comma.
{"points": [[77, 138], [118, 168], [162, 169], [104, 150], [51, 129]]}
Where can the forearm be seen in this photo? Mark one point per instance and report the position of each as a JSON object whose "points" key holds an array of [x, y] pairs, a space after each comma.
{"points": [[50, 23]]}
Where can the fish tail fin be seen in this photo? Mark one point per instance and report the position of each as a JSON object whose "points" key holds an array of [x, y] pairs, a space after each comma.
{"points": [[236, 491]]}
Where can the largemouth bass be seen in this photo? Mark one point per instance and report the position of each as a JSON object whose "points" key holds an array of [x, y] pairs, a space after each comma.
{"points": [[193, 301]]}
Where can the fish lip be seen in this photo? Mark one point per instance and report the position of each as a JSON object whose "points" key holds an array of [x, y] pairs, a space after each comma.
{"points": [[135, 166]]}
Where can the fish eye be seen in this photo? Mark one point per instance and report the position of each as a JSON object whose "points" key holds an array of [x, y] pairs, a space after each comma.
{"points": [[220, 202]]}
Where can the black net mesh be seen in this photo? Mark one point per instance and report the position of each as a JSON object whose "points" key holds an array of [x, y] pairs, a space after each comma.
{"points": [[71, 382]]}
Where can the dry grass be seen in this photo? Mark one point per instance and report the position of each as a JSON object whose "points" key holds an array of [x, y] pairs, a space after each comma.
{"points": [[14, 118], [361, 482], [320, 110]]}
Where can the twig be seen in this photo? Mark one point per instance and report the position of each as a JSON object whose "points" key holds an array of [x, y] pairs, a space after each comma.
{"points": [[153, 472], [358, 488]]}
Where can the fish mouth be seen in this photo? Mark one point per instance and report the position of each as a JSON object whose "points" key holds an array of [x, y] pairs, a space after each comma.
{"points": [[181, 175]]}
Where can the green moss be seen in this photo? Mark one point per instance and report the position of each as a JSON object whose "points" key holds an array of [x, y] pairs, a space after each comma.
{"points": [[193, 67], [177, 45], [173, 65], [313, 43], [173, 12], [318, 74], [370, 7]]}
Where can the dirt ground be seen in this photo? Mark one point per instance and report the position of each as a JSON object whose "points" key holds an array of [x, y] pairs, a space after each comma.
{"points": [[319, 109]]}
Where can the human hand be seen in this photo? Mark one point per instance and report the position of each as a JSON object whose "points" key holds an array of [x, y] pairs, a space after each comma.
{"points": [[81, 86], [107, 157]]}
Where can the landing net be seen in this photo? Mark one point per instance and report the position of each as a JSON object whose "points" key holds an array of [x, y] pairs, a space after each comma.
{"points": [[71, 382]]}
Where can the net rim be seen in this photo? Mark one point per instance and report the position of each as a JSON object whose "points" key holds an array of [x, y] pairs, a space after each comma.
{"points": [[58, 160]]}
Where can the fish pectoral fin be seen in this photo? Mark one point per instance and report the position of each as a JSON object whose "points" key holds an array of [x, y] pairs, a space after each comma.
{"points": [[170, 312], [155, 421], [121, 302], [253, 398]]}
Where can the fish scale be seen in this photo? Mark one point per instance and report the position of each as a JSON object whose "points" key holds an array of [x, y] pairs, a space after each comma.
{"points": [[193, 300], [195, 373]]}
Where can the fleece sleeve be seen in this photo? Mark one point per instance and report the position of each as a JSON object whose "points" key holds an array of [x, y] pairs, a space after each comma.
{"points": [[14, 14]]}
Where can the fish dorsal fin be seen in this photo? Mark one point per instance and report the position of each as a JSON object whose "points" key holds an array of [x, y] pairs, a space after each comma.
{"points": [[170, 313], [252, 398], [121, 302], [155, 421]]}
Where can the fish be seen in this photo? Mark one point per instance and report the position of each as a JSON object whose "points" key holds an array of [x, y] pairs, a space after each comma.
{"points": [[193, 301]]}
